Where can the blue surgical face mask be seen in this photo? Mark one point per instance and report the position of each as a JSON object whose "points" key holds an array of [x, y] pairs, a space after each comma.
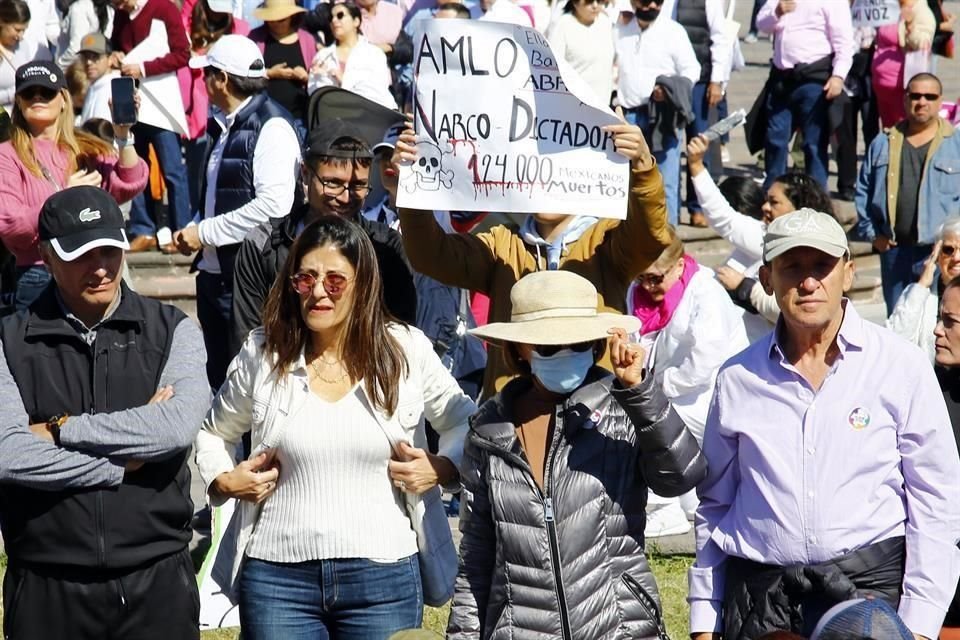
{"points": [[564, 371]]}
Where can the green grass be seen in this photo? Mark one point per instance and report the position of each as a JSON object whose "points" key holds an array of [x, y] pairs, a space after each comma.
{"points": [[670, 571]]}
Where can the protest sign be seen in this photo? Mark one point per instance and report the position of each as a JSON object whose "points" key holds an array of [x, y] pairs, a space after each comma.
{"points": [[874, 13], [502, 125], [161, 103]]}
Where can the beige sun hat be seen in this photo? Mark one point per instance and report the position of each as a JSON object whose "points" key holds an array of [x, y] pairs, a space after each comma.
{"points": [[555, 307], [277, 10]]}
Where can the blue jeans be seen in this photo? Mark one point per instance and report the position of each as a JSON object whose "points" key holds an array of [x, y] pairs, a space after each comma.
{"points": [[345, 598], [668, 161], [143, 212], [31, 282], [803, 107], [900, 266]]}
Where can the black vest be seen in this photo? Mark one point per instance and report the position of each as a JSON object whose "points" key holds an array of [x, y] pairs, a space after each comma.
{"points": [[692, 14], [148, 516], [235, 179]]}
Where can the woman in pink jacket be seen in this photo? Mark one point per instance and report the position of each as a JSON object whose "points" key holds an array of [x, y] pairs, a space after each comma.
{"points": [[45, 154]]}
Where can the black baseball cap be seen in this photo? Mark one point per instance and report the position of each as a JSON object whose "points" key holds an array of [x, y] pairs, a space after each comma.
{"points": [[40, 73], [79, 219], [326, 135]]}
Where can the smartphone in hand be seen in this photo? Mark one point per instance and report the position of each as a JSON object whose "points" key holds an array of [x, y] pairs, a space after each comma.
{"points": [[123, 108]]}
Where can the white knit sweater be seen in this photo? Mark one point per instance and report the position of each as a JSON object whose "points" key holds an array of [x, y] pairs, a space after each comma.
{"points": [[334, 496]]}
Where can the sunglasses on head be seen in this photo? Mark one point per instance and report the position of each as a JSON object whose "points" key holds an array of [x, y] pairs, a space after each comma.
{"points": [[948, 250], [547, 350], [929, 97], [333, 283], [43, 93]]}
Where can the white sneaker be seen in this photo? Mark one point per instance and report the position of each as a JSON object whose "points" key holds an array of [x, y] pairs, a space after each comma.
{"points": [[666, 520], [750, 38]]}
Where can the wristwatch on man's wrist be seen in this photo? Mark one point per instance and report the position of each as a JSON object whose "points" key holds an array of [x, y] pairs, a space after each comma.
{"points": [[54, 424]]}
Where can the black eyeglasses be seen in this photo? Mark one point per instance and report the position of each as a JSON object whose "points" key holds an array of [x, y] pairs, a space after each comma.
{"points": [[547, 350], [929, 97], [343, 15], [333, 283], [335, 187], [948, 250], [43, 93]]}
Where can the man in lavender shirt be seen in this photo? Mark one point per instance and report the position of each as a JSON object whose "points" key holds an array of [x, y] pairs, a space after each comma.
{"points": [[833, 471], [813, 50]]}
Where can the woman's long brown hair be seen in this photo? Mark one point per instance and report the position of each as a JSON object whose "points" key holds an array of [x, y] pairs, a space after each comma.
{"points": [[203, 30], [82, 149], [368, 351]]}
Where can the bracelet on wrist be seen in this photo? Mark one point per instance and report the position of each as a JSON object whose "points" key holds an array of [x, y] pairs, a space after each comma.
{"points": [[124, 142]]}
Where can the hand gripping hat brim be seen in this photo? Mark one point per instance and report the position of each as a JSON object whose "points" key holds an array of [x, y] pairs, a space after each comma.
{"points": [[555, 308]]}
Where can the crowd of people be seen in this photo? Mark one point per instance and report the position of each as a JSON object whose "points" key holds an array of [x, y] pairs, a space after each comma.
{"points": [[582, 384]]}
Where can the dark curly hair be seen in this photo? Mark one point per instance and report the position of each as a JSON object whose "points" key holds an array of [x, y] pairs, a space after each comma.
{"points": [[803, 191]]}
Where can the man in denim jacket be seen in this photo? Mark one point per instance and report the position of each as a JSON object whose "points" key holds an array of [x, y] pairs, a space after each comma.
{"points": [[909, 184]]}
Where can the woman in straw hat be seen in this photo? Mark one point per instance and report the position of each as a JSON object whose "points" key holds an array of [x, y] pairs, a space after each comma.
{"points": [[287, 51], [555, 474]]}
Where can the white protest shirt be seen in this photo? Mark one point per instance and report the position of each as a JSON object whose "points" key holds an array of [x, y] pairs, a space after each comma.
{"points": [[96, 104], [662, 49], [276, 168]]}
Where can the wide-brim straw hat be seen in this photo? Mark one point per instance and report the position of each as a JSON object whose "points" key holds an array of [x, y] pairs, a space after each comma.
{"points": [[277, 10], [554, 308]]}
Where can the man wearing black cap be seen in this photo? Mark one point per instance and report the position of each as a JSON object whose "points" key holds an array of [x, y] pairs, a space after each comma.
{"points": [[336, 174], [103, 393]]}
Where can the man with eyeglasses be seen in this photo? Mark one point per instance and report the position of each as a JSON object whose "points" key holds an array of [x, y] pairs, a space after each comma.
{"points": [[658, 68], [336, 176], [909, 185], [251, 176], [832, 466]]}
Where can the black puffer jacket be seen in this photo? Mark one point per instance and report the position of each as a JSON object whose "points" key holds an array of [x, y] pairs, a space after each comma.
{"points": [[567, 562]]}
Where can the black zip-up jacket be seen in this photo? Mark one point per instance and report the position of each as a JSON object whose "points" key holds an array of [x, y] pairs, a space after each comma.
{"points": [[567, 562], [264, 252], [147, 516]]}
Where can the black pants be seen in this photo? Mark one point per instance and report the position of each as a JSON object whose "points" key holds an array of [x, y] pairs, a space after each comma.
{"points": [[862, 105], [159, 601], [214, 309]]}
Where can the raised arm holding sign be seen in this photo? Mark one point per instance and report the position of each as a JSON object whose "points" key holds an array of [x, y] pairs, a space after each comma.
{"points": [[609, 252]]}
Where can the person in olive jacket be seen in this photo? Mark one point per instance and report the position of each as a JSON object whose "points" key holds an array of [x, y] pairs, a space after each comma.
{"points": [[555, 474]]}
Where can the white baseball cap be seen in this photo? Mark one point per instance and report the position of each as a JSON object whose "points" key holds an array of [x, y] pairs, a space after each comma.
{"points": [[237, 55], [220, 6]]}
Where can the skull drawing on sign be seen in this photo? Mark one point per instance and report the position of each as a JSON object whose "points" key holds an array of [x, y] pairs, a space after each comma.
{"points": [[429, 170]]}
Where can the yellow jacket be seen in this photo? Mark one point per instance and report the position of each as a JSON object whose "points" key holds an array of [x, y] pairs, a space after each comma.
{"points": [[610, 254]]}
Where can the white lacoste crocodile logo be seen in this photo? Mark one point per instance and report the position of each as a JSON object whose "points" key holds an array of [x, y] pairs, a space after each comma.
{"points": [[89, 216]]}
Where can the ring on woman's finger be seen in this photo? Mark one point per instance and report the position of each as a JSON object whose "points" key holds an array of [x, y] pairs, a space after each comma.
{"points": [[403, 486]]}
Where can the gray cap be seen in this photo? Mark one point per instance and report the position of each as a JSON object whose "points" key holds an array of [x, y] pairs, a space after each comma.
{"points": [[804, 228]]}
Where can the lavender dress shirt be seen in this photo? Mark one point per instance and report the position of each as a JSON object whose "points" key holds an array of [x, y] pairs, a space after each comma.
{"points": [[815, 29], [798, 476]]}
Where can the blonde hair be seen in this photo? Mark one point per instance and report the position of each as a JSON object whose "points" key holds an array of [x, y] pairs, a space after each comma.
{"points": [[81, 148], [674, 250]]}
